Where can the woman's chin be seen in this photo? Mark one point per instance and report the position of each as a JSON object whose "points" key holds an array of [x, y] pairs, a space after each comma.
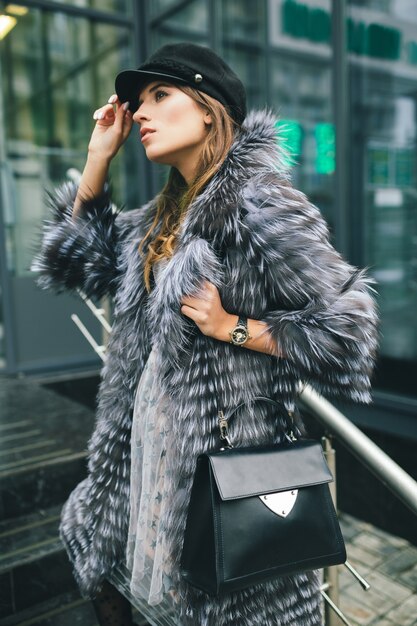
{"points": [[156, 157]]}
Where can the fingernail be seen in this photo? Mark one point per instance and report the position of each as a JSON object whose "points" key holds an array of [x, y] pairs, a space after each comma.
{"points": [[112, 99], [125, 106], [100, 115], [95, 115]]}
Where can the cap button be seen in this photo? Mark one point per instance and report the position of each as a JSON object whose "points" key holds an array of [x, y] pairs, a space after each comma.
{"points": [[198, 78]]}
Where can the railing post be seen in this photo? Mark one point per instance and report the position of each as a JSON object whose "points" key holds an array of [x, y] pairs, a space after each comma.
{"points": [[331, 574]]}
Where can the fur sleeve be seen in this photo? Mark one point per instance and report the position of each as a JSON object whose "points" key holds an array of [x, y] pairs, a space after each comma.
{"points": [[321, 312], [82, 252]]}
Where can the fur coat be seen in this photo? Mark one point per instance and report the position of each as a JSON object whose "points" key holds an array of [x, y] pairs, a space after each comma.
{"points": [[266, 248]]}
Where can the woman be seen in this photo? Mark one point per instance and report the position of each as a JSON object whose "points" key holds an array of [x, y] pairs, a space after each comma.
{"points": [[227, 240]]}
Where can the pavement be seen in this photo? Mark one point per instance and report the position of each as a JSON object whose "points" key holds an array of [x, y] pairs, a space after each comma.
{"points": [[389, 565]]}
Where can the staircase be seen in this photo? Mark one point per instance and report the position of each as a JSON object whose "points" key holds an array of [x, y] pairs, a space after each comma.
{"points": [[43, 439]]}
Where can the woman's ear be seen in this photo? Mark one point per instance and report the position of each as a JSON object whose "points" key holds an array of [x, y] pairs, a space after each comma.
{"points": [[207, 118]]}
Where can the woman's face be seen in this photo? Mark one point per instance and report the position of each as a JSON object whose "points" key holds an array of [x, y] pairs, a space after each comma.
{"points": [[178, 124]]}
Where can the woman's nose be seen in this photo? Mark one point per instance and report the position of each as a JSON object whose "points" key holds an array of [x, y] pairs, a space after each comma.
{"points": [[140, 115]]}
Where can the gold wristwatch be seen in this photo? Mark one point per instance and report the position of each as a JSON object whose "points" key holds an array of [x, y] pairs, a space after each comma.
{"points": [[240, 333]]}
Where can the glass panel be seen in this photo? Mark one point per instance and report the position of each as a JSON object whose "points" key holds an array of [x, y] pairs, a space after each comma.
{"points": [[239, 25], [2, 332], [158, 6], [240, 20], [250, 67], [59, 69], [113, 6], [383, 75], [300, 86], [399, 9], [179, 18], [56, 69]]}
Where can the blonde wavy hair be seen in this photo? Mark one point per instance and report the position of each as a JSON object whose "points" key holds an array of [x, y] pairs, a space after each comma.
{"points": [[175, 197]]}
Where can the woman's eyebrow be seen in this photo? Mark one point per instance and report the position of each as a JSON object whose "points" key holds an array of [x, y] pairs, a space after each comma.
{"points": [[153, 89]]}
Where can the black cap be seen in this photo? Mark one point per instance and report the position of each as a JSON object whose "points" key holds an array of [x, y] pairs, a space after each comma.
{"points": [[186, 64]]}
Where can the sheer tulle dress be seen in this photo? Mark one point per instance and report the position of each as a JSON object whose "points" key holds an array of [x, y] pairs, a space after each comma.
{"points": [[145, 553]]}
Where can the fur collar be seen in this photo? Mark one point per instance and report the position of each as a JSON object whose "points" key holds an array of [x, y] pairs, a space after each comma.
{"points": [[256, 148]]}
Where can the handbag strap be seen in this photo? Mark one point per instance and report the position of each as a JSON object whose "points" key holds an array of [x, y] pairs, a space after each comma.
{"points": [[270, 400], [224, 421]]}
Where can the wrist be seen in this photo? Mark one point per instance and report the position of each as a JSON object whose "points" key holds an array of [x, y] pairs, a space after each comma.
{"points": [[224, 328], [98, 159]]}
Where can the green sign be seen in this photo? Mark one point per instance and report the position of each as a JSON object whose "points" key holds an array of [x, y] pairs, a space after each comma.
{"points": [[314, 23], [325, 148], [302, 21]]}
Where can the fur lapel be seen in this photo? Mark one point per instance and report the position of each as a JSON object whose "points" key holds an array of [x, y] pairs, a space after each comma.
{"points": [[213, 215]]}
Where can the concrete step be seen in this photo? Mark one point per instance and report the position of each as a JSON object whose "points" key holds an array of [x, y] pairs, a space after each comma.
{"points": [[43, 447], [33, 563], [66, 609], [43, 453], [23, 539], [36, 582]]}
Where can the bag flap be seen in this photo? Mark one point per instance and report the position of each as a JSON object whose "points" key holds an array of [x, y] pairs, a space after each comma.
{"points": [[255, 470]]}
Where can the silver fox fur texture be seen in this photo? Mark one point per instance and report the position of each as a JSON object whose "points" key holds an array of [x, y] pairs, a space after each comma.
{"points": [[266, 248]]}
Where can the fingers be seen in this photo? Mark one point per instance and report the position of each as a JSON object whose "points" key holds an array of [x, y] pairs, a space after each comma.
{"points": [[121, 120], [193, 312], [122, 114], [107, 112], [190, 302], [203, 299]]}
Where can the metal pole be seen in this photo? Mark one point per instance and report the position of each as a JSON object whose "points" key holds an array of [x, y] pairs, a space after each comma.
{"points": [[100, 313], [367, 452], [331, 574], [100, 350]]}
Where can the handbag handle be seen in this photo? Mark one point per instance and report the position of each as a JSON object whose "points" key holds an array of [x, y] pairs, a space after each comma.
{"points": [[270, 400], [224, 421]]}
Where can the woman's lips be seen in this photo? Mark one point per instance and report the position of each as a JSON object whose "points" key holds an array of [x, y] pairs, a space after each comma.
{"points": [[146, 135]]}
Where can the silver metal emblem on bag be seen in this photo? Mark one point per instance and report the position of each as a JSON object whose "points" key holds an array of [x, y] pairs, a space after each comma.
{"points": [[280, 502]]}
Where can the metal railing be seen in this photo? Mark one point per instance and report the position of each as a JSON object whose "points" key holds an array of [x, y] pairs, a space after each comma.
{"points": [[335, 424], [387, 471], [368, 453]]}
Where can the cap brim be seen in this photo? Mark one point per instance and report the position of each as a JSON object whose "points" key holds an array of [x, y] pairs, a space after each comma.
{"points": [[129, 82]]}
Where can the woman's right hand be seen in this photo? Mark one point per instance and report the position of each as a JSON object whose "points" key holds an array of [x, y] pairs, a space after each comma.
{"points": [[111, 130]]}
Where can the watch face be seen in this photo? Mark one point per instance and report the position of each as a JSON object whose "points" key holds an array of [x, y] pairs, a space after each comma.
{"points": [[239, 335]]}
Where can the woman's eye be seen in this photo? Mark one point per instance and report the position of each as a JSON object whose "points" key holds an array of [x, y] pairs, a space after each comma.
{"points": [[160, 92]]}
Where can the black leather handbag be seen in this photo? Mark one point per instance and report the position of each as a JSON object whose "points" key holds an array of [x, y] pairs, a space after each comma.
{"points": [[259, 512]]}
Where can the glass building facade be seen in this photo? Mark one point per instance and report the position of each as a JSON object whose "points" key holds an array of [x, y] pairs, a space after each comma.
{"points": [[342, 77]]}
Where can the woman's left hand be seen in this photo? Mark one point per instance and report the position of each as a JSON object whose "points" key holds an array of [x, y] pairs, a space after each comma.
{"points": [[206, 310]]}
